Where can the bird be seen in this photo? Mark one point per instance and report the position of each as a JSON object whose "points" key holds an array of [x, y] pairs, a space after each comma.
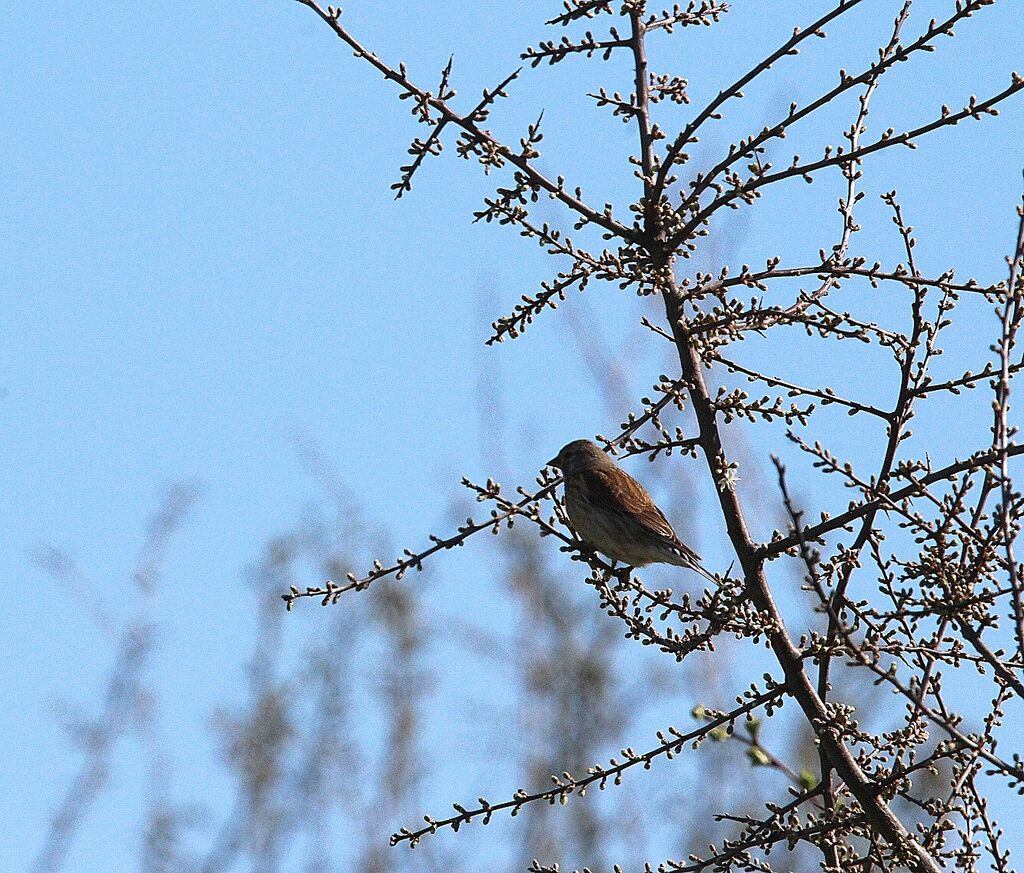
{"points": [[614, 514]]}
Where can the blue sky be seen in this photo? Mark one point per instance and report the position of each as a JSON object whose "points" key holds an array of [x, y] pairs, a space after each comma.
{"points": [[203, 266]]}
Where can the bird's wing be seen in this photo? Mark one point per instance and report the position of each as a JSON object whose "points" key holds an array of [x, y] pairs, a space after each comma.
{"points": [[617, 492]]}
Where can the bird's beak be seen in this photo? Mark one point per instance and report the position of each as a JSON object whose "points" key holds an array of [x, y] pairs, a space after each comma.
{"points": [[554, 463]]}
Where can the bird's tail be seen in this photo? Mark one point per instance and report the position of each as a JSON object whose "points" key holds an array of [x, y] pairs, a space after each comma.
{"points": [[691, 560], [696, 565], [684, 556]]}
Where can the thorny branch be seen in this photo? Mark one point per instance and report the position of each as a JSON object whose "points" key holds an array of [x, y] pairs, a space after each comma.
{"points": [[492, 152], [331, 592], [673, 742], [917, 576]]}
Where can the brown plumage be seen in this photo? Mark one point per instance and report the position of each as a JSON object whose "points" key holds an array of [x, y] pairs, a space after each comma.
{"points": [[613, 512]]}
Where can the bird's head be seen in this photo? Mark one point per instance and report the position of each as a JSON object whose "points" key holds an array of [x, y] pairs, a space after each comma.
{"points": [[579, 455]]}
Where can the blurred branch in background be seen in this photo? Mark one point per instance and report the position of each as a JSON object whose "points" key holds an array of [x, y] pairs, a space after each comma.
{"points": [[127, 684]]}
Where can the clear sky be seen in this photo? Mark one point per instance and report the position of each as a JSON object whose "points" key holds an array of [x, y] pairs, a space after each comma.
{"points": [[201, 266]]}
